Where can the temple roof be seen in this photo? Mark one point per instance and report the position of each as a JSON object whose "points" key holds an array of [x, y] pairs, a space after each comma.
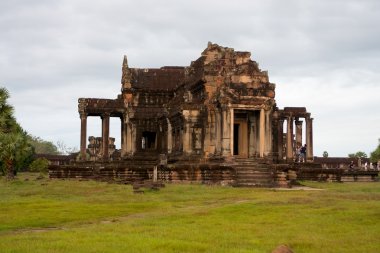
{"points": [[165, 78]]}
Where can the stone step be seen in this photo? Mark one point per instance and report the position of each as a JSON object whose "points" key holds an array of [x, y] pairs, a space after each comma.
{"points": [[241, 172], [254, 172], [247, 163], [253, 176], [245, 160], [254, 180]]}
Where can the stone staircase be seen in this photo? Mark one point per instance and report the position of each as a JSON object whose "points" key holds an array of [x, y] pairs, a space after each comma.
{"points": [[253, 172]]}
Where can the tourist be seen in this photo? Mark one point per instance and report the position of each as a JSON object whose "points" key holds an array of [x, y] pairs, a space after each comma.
{"points": [[303, 154], [351, 166], [298, 152]]}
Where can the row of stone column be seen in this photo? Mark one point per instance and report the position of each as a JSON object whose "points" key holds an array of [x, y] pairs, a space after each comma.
{"points": [[105, 135], [291, 121], [224, 131], [128, 136]]}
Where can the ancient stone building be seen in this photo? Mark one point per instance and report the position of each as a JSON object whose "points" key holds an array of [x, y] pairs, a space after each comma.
{"points": [[217, 114]]}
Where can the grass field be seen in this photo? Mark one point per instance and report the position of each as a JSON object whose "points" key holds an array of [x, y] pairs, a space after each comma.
{"points": [[73, 216]]}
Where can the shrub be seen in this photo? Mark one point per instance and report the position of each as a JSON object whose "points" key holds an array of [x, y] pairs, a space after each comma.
{"points": [[39, 165]]}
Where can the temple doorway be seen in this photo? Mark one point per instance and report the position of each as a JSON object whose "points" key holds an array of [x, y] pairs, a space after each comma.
{"points": [[148, 141], [240, 147]]}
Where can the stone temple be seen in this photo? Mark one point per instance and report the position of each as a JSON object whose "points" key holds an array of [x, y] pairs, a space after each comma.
{"points": [[214, 121]]}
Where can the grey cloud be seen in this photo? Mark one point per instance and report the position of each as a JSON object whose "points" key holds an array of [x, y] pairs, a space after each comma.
{"points": [[321, 54]]}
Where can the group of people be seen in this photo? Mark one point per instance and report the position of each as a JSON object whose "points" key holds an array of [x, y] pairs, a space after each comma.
{"points": [[301, 154]]}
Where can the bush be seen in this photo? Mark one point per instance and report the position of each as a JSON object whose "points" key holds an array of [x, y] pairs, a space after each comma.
{"points": [[39, 165]]}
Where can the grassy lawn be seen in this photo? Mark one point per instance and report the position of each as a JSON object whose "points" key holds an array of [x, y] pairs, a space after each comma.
{"points": [[73, 216]]}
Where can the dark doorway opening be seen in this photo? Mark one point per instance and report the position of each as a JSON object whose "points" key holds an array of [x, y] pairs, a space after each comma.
{"points": [[236, 139], [148, 140]]}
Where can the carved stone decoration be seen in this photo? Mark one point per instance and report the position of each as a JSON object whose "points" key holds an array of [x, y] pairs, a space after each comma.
{"points": [[197, 138], [126, 74], [82, 104]]}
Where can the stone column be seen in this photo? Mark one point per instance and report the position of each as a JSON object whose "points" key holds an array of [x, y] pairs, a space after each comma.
{"points": [[268, 133], [134, 138], [186, 137], [252, 135], [83, 135], [289, 139], [280, 135], [124, 137], [262, 133], [105, 134], [298, 133], [309, 139], [155, 173], [128, 138], [231, 131], [170, 138], [207, 138], [226, 132], [218, 130], [210, 134]]}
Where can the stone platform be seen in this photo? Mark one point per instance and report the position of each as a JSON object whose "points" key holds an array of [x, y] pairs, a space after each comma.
{"points": [[237, 172]]}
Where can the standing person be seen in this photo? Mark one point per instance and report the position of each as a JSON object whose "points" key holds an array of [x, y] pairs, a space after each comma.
{"points": [[351, 166], [298, 154], [303, 153]]}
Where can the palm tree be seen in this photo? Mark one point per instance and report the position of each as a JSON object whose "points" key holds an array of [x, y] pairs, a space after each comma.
{"points": [[7, 121], [13, 149], [13, 143]]}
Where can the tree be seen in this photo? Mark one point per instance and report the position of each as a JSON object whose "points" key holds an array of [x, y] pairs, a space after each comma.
{"points": [[375, 155], [15, 151], [359, 154], [325, 154], [64, 149], [41, 146], [7, 121]]}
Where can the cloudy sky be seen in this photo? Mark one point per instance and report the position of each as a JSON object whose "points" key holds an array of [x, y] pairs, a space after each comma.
{"points": [[324, 55]]}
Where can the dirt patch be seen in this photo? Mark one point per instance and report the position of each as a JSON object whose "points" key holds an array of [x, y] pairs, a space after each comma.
{"points": [[299, 188], [37, 230]]}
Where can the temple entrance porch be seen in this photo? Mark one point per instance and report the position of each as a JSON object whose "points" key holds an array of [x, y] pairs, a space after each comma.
{"points": [[246, 133]]}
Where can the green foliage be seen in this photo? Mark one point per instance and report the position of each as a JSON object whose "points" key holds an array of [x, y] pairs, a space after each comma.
{"points": [[41, 146], [325, 154], [375, 155], [7, 121], [15, 151], [76, 216], [39, 165], [359, 154]]}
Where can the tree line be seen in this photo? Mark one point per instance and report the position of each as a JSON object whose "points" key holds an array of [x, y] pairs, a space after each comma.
{"points": [[374, 156]]}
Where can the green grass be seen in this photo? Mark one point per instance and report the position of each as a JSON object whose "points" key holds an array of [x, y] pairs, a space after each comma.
{"points": [[73, 216]]}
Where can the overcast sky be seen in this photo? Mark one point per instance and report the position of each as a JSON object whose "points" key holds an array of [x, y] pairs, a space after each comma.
{"points": [[324, 55]]}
